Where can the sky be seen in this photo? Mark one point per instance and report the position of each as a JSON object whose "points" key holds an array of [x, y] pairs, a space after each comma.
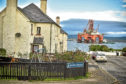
{"points": [[107, 10]]}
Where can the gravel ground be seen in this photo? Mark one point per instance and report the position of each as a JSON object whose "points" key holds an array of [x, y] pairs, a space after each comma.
{"points": [[116, 66]]}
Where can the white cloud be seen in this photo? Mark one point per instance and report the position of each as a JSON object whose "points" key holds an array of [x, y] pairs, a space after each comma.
{"points": [[116, 33], [99, 15], [26, 4], [123, 13], [124, 5], [124, 0]]}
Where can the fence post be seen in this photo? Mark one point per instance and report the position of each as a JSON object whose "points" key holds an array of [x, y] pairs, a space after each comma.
{"points": [[85, 68], [65, 70], [29, 72]]}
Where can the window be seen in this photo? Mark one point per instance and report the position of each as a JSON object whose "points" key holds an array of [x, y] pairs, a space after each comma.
{"points": [[31, 29], [35, 48], [38, 30]]}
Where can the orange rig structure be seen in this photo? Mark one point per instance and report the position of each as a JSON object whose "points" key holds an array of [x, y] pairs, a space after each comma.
{"points": [[90, 35]]}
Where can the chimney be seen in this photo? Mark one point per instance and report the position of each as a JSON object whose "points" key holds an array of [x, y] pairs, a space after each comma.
{"points": [[12, 4], [58, 20], [10, 26], [43, 6]]}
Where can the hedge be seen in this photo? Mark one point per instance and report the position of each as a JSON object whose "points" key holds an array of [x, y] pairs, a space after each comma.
{"points": [[2, 52]]}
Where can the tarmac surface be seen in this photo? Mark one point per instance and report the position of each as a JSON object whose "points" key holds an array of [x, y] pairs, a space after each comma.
{"points": [[98, 76], [116, 66]]}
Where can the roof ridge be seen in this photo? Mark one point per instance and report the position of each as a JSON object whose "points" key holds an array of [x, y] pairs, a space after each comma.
{"points": [[43, 13], [62, 31], [27, 8], [28, 5]]}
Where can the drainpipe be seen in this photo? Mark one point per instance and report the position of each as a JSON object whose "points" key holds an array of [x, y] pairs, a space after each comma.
{"points": [[50, 38]]}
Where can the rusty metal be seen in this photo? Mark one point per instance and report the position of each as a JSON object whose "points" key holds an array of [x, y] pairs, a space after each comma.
{"points": [[91, 34]]}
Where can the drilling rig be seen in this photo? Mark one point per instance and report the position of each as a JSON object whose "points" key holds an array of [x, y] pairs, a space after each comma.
{"points": [[90, 35]]}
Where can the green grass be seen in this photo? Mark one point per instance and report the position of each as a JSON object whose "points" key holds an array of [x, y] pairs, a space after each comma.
{"points": [[74, 78], [58, 79]]}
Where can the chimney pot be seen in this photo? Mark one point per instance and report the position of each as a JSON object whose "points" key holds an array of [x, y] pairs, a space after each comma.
{"points": [[58, 20]]}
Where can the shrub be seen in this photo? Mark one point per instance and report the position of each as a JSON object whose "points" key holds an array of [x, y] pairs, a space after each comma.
{"points": [[99, 48], [94, 47], [2, 52], [111, 49], [104, 48], [77, 56], [124, 49]]}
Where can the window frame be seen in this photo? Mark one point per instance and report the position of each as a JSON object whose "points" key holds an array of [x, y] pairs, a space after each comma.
{"points": [[31, 29], [38, 31]]}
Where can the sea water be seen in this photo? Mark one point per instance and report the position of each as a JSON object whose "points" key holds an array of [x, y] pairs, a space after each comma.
{"points": [[73, 45]]}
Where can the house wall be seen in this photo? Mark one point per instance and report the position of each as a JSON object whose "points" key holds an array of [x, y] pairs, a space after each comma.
{"points": [[1, 31], [8, 40], [65, 38], [45, 33], [50, 33], [2, 14], [56, 39], [9, 24], [23, 26]]}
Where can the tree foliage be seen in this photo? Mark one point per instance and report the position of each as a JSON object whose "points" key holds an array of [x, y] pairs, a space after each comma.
{"points": [[124, 49]]}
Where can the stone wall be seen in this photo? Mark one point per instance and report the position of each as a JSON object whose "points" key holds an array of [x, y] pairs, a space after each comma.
{"points": [[23, 26], [2, 14], [45, 33]]}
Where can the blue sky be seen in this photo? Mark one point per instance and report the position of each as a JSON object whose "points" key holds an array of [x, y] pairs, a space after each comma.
{"points": [[84, 9]]}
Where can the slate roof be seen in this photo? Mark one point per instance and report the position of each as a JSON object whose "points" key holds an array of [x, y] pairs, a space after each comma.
{"points": [[63, 32], [38, 40], [34, 14]]}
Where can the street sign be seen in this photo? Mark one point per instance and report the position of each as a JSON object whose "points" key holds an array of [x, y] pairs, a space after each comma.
{"points": [[75, 65]]}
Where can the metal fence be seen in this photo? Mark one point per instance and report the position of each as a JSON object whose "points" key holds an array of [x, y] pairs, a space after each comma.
{"points": [[40, 71]]}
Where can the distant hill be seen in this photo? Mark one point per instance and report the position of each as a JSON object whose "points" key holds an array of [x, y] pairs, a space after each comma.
{"points": [[111, 28]]}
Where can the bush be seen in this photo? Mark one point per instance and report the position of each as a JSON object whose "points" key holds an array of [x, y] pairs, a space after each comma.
{"points": [[124, 49], [99, 48], [94, 47], [104, 48], [111, 49], [77, 56], [2, 52]]}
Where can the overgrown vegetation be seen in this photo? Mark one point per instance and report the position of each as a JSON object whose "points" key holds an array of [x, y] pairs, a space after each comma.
{"points": [[124, 49], [102, 48], [2, 52], [77, 56]]}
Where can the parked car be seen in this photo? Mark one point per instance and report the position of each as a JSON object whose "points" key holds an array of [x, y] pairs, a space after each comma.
{"points": [[101, 57], [94, 55]]}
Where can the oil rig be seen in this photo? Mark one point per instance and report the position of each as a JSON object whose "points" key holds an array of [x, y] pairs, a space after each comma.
{"points": [[90, 35]]}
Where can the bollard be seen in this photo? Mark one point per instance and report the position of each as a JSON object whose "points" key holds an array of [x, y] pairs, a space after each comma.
{"points": [[85, 67]]}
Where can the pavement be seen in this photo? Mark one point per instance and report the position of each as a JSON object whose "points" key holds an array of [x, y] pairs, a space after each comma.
{"points": [[98, 76], [116, 66]]}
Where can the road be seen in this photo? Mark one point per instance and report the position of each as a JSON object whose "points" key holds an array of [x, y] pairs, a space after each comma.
{"points": [[116, 66]]}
